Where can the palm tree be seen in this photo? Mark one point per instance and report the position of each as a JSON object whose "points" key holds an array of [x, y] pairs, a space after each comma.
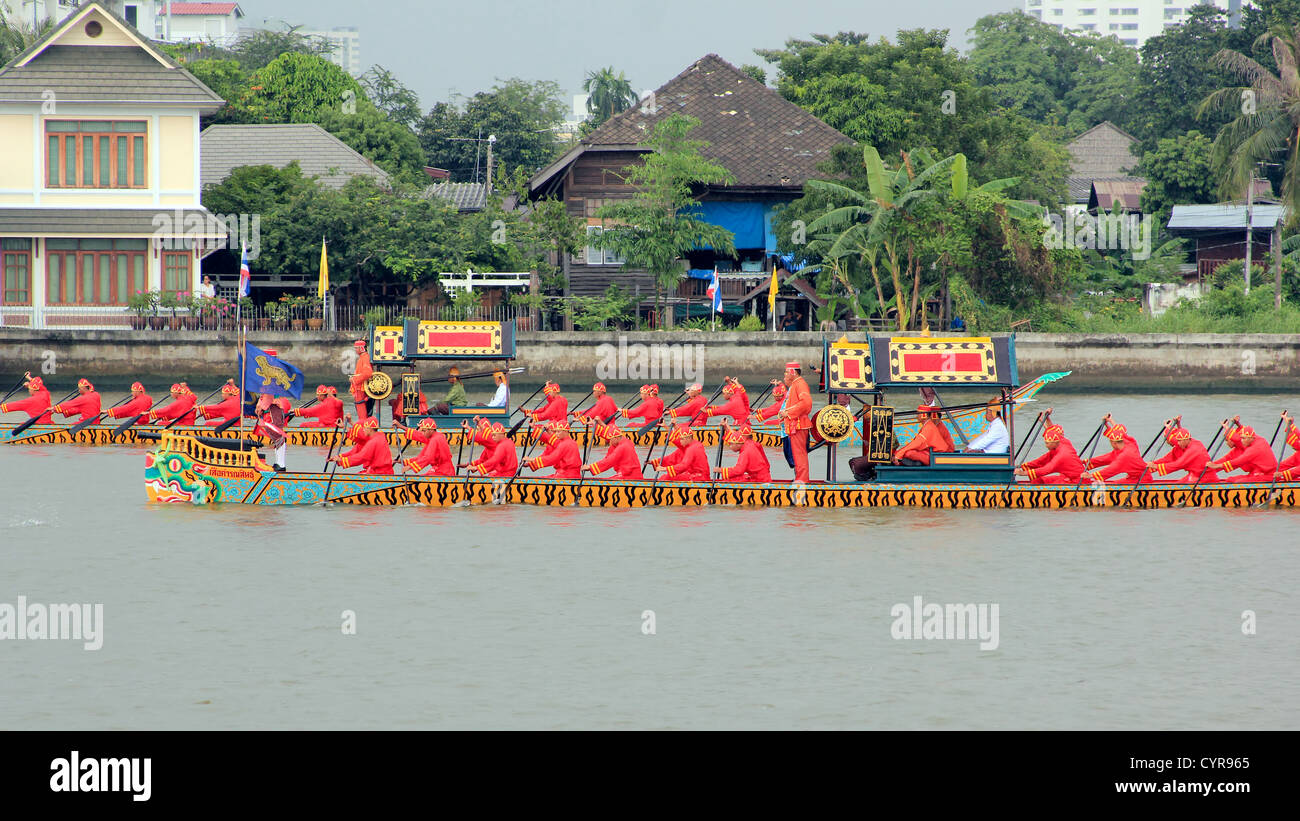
{"points": [[607, 94], [883, 225], [1268, 121], [16, 37]]}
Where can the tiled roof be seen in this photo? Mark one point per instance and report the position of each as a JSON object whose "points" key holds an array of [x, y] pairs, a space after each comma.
{"points": [[1102, 151], [463, 196], [200, 9], [98, 222], [223, 148], [763, 139], [103, 74]]}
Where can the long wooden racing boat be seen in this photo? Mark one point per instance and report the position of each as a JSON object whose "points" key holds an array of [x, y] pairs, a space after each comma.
{"points": [[969, 420], [183, 470]]}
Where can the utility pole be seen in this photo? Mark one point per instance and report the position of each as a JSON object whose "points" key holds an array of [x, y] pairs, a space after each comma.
{"points": [[1250, 201], [487, 190]]}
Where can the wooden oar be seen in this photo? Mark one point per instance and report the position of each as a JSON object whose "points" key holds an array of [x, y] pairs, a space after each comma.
{"points": [[465, 489], [1183, 501], [333, 441], [397, 424], [80, 426], [1092, 444], [326, 498], [131, 420], [582, 475], [224, 426], [1006, 491], [523, 460], [1268, 498], [195, 408], [1129, 498], [713, 483], [32, 421], [580, 401], [671, 423], [511, 433], [474, 375], [22, 381]]}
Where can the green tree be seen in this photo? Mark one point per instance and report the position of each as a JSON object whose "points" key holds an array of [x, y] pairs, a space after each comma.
{"points": [[607, 94], [1103, 85], [1178, 172], [390, 96], [757, 72], [260, 47], [523, 116], [1266, 116], [1027, 65], [390, 145], [293, 87], [656, 227]]}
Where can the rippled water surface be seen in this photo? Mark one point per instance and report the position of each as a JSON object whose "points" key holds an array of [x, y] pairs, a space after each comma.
{"points": [[230, 617]]}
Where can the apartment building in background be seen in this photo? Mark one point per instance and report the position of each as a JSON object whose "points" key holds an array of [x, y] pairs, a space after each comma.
{"points": [[347, 46], [1132, 21]]}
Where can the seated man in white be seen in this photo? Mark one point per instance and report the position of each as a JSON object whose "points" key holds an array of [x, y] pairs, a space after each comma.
{"points": [[995, 438]]}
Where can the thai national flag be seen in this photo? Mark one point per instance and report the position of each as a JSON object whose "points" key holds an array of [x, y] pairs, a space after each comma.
{"points": [[245, 276], [715, 292]]}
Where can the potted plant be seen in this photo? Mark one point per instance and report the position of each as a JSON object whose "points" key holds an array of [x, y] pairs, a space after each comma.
{"points": [[156, 322], [170, 301], [192, 304], [529, 302], [140, 304], [279, 313], [316, 309], [297, 312]]}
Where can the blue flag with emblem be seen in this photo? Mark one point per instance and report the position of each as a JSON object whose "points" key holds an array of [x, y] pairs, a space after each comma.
{"points": [[264, 373]]}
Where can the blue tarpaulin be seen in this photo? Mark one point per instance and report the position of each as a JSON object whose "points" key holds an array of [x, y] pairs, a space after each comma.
{"points": [[749, 221]]}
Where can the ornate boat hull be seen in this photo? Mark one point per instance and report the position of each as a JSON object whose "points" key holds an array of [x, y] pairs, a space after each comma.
{"points": [[183, 471]]}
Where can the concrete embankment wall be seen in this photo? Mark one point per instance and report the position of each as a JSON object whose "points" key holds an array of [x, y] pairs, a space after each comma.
{"points": [[1245, 362]]}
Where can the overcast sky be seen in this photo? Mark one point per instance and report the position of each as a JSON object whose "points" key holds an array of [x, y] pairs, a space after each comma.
{"points": [[437, 47]]}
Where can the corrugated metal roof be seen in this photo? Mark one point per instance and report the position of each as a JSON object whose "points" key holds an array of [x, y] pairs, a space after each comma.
{"points": [[463, 196], [223, 148], [1128, 190], [1208, 217], [93, 222], [103, 74], [185, 9]]}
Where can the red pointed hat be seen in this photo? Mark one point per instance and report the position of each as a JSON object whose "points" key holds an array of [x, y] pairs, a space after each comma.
{"points": [[735, 437], [321, 390], [779, 392], [360, 343], [1053, 433], [1178, 435], [85, 383], [1116, 433], [230, 388], [136, 387], [792, 366], [680, 432], [428, 423], [176, 388], [1293, 437], [599, 386], [370, 423], [550, 388], [36, 383], [1247, 431]]}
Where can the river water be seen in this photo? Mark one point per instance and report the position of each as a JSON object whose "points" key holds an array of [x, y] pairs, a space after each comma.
{"points": [[499, 617]]}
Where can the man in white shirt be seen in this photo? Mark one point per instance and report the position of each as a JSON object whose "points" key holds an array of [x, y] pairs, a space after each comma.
{"points": [[995, 438], [501, 399]]}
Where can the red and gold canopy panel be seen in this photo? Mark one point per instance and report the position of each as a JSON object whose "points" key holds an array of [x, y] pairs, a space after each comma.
{"points": [[849, 368], [387, 344], [459, 339], [961, 360]]}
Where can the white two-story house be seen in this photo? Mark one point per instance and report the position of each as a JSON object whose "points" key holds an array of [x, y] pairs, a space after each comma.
{"points": [[99, 175]]}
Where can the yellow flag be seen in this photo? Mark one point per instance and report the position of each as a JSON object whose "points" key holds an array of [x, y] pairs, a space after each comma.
{"points": [[771, 293], [324, 271]]}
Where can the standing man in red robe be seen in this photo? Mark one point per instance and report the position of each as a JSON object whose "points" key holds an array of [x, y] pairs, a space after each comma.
{"points": [[181, 407], [37, 404], [87, 403], [798, 405], [561, 453], [226, 409], [1249, 453], [1060, 465], [436, 453], [139, 405], [651, 408], [360, 374], [271, 424], [689, 462], [621, 457], [1186, 454]]}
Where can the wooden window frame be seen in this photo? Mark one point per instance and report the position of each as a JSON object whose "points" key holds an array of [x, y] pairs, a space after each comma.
{"points": [[186, 255], [57, 156], [6, 255], [75, 289]]}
